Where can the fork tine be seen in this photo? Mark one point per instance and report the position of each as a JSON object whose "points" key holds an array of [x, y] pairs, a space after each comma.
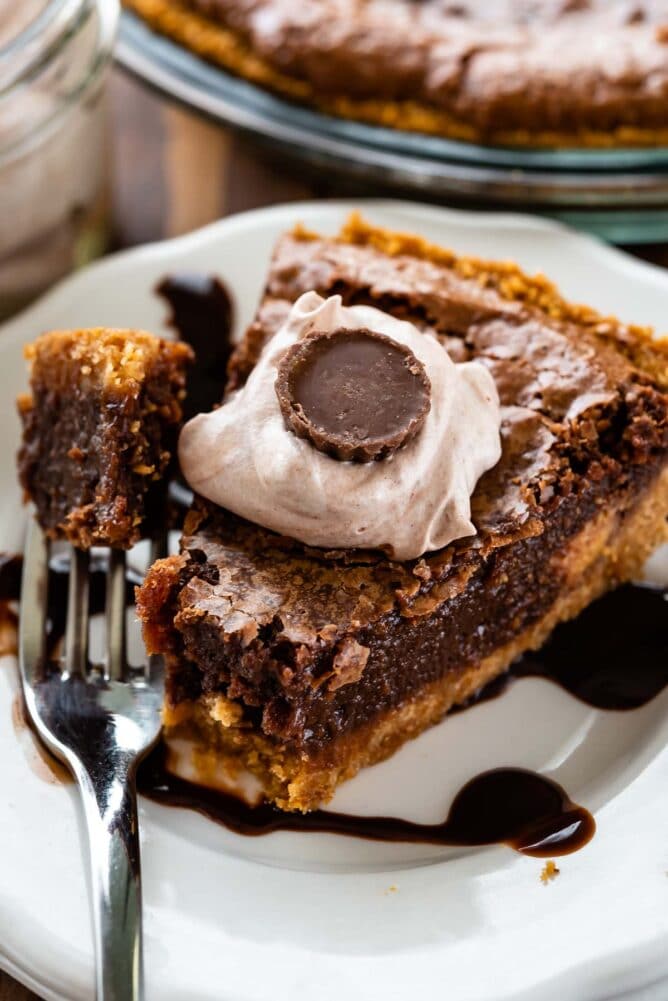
{"points": [[34, 593], [76, 630], [158, 550], [115, 615]]}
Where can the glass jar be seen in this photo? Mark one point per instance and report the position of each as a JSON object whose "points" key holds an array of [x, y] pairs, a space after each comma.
{"points": [[54, 57]]}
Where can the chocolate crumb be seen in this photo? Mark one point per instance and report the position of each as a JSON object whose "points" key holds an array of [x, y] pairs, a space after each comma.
{"points": [[548, 872]]}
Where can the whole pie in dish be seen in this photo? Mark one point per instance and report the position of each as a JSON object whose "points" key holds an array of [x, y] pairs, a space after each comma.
{"points": [[513, 72], [357, 562]]}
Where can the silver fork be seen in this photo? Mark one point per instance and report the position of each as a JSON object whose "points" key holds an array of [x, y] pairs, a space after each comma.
{"points": [[100, 720]]}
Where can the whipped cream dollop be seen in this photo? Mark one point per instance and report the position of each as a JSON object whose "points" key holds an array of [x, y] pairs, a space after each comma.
{"points": [[243, 457]]}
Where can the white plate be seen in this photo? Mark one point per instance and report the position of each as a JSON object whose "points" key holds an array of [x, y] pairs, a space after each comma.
{"points": [[278, 917]]}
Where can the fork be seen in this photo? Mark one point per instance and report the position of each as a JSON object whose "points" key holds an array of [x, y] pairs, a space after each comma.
{"points": [[99, 720]]}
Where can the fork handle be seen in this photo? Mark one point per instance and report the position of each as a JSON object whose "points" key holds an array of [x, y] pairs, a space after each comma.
{"points": [[110, 809]]}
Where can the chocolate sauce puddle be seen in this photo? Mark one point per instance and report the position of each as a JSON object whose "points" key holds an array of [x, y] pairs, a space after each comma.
{"points": [[10, 586], [42, 762], [11, 567], [511, 806], [202, 314], [614, 655]]}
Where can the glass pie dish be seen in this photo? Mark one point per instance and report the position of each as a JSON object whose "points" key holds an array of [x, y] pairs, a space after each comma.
{"points": [[619, 194]]}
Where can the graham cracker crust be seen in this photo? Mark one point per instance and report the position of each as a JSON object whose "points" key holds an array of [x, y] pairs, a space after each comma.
{"points": [[226, 48], [610, 549]]}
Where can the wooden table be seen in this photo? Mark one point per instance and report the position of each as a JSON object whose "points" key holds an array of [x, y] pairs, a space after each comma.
{"points": [[173, 172]]}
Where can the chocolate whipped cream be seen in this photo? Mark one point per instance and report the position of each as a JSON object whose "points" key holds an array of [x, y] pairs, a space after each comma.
{"points": [[243, 457]]}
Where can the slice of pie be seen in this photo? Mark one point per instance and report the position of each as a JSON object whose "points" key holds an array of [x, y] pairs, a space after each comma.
{"points": [[303, 664], [100, 426], [510, 72]]}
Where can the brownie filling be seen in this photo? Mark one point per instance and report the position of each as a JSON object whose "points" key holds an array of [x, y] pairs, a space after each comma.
{"points": [[202, 315], [100, 471], [295, 697]]}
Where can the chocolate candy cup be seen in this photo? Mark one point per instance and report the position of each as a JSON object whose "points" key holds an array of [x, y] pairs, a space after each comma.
{"points": [[354, 394]]}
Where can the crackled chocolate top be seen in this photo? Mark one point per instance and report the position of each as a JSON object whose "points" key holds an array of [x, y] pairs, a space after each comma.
{"points": [[495, 68], [559, 377], [355, 394], [548, 372]]}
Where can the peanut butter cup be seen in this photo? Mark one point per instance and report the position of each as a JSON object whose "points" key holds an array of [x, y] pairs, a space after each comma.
{"points": [[354, 394]]}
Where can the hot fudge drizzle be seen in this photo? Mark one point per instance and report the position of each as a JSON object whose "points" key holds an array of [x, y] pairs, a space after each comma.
{"points": [[202, 313], [512, 806], [614, 655]]}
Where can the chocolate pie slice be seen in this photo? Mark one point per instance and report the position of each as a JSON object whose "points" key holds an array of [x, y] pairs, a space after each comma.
{"points": [[100, 426], [509, 72], [303, 665]]}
